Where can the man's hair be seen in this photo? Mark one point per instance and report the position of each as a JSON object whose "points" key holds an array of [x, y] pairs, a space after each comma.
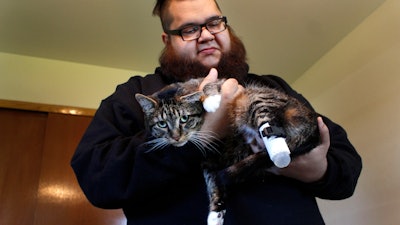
{"points": [[158, 7], [160, 11]]}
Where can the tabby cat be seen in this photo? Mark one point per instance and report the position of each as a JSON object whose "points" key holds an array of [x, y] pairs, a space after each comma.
{"points": [[174, 116]]}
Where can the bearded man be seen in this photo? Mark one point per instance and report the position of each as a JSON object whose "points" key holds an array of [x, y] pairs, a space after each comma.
{"points": [[115, 169]]}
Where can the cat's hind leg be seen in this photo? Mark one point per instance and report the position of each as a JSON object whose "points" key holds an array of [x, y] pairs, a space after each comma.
{"points": [[217, 211], [216, 218], [252, 138]]}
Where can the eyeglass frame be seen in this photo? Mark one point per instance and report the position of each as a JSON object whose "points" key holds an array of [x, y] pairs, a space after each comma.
{"points": [[179, 31]]}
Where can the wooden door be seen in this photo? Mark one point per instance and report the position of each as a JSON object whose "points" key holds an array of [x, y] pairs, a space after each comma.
{"points": [[38, 186], [21, 143]]}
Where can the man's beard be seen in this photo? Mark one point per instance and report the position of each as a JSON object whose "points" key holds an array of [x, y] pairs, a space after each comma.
{"points": [[231, 65]]}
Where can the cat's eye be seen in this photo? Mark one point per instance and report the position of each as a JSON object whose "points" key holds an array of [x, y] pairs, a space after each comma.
{"points": [[184, 119], [162, 124]]}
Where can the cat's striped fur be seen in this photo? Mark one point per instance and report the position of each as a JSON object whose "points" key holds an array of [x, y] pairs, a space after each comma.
{"points": [[174, 117]]}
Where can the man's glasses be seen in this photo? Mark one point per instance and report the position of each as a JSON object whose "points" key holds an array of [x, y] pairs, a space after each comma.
{"points": [[193, 32]]}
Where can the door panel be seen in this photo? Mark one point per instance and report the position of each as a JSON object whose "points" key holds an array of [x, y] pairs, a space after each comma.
{"points": [[37, 184], [59, 192], [21, 143]]}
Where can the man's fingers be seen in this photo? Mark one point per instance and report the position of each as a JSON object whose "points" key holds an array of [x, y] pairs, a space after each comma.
{"points": [[229, 87], [211, 77], [324, 132]]}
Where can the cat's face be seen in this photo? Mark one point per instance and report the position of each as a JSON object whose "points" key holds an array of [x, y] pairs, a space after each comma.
{"points": [[173, 121]]}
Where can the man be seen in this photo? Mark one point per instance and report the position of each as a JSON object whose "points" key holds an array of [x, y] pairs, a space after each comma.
{"points": [[166, 187]]}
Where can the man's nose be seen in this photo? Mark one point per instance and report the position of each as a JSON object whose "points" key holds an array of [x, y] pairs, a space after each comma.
{"points": [[205, 35]]}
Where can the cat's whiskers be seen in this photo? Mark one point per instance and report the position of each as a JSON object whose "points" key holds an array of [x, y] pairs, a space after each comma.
{"points": [[205, 141], [158, 143]]}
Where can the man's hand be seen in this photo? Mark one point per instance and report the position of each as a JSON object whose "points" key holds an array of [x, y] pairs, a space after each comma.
{"points": [[219, 122], [312, 166]]}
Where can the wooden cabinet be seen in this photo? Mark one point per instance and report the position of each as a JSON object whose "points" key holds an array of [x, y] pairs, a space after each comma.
{"points": [[37, 184]]}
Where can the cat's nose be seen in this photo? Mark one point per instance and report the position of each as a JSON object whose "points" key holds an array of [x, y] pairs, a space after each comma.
{"points": [[176, 138]]}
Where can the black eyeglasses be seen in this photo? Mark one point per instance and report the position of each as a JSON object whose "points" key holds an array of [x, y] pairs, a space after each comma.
{"points": [[192, 32]]}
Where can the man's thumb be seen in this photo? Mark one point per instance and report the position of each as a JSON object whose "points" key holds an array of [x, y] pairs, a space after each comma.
{"points": [[211, 77]]}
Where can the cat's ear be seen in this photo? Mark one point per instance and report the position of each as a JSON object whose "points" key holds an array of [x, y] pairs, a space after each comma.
{"points": [[148, 104], [193, 97]]}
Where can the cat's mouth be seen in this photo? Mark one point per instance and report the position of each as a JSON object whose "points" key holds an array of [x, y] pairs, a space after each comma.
{"points": [[179, 143]]}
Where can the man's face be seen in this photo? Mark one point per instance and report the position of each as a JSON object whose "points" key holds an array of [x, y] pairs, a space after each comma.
{"points": [[208, 48]]}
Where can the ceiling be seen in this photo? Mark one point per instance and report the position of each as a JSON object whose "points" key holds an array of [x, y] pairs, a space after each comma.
{"points": [[283, 37]]}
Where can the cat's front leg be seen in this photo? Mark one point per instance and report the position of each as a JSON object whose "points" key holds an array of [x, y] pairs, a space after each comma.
{"points": [[211, 103], [212, 94]]}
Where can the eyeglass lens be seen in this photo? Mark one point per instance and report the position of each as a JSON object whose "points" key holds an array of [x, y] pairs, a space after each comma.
{"points": [[194, 32]]}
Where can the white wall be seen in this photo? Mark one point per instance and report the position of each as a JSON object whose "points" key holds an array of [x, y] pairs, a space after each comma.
{"points": [[358, 85], [31, 79]]}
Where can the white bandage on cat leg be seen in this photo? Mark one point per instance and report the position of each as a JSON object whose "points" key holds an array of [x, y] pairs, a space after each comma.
{"points": [[216, 218], [211, 103], [276, 146]]}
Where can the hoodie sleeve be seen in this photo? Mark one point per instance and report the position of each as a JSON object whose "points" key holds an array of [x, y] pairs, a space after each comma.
{"points": [[112, 165]]}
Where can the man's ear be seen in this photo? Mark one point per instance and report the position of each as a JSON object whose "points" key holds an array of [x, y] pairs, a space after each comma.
{"points": [[165, 38]]}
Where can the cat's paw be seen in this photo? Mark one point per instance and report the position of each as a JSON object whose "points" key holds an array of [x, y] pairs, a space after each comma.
{"points": [[211, 103], [216, 218]]}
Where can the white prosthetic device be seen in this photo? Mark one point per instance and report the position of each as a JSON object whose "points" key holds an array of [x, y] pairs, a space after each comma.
{"points": [[275, 144]]}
